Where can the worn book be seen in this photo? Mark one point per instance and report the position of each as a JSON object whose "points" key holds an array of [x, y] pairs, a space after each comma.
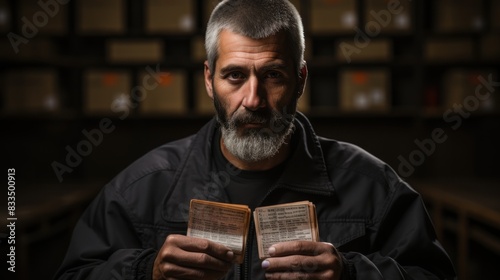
{"points": [[223, 223], [228, 224]]}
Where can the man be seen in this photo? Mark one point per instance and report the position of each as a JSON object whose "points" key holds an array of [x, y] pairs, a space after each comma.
{"points": [[258, 151]]}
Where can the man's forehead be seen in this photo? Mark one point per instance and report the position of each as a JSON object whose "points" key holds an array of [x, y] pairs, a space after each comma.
{"points": [[236, 46]]}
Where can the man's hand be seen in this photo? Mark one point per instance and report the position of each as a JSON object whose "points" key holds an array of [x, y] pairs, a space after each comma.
{"points": [[303, 260], [183, 257]]}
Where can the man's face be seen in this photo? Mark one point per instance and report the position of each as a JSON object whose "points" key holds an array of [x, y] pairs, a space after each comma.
{"points": [[255, 88]]}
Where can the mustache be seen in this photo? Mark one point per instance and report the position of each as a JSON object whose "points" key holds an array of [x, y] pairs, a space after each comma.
{"points": [[246, 117]]}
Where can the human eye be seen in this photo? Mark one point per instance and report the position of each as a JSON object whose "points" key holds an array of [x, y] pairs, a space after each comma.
{"points": [[235, 76], [274, 75]]}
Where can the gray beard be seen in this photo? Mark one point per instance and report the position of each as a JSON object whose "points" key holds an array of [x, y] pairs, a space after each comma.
{"points": [[256, 144]]}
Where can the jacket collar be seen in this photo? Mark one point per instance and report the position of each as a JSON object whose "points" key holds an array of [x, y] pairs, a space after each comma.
{"points": [[196, 178]]}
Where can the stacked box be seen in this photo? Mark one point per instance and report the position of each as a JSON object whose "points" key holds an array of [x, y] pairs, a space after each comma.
{"points": [[101, 17], [376, 50], [390, 16], [449, 49], [31, 91], [328, 16], [170, 16], [5, 16], [363, 90], [107, 92], [461, 86], [458, 15], [46, 19], [135, 51], [165, 94]]}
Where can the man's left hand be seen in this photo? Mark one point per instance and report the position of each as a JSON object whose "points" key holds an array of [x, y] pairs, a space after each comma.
{"points": [[303, 260]]}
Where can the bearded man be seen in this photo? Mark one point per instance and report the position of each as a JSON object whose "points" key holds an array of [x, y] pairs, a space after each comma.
{"points": [[257, 151]]}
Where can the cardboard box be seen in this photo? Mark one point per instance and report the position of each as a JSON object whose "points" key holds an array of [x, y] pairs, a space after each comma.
{"points": [[330, 16], [167, 96], [31, 91], [458, 15], [365, 90], [101, 17], [51, 19], [134, 51], [376, 50], [107, 92], [460, 86], [390, 16], [170, 16], [449, 49], [5, 16], [204, 105], [490, 47]]}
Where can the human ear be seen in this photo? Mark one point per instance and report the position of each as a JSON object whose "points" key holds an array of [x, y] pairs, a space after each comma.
{"points": [[208, 80]]}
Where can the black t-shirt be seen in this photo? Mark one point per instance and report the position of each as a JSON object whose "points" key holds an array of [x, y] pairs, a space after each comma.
{"points": [[244, 186]]}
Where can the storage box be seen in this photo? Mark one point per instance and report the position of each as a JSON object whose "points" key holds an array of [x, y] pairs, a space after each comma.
{"points": [[134, 51], [101, 17], [329, 16], [365, 90], [5, 16], [460, 86], [43, 19], [449, 50], [376, 50], [30, 91], [107, 92], [170, 16], [167, 96], [458, 15], [390, 16]]}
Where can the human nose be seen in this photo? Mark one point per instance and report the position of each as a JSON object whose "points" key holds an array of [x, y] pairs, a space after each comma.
{"points": [[254, 95]]}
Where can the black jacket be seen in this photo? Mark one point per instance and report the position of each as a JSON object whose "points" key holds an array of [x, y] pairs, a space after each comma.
{"points": [[375, 219]]}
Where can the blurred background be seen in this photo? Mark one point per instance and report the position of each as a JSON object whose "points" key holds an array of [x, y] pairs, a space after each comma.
{"points": [[87, 87]]}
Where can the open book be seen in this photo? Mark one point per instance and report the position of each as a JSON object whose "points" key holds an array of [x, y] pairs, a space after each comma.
{"points": [[228, 224]]}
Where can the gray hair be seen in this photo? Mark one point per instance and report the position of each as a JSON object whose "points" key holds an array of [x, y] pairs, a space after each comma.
{"points": [[255, 19]]}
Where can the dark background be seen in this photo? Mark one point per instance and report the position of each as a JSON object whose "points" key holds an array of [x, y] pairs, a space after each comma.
{"points": [[424, 60]]}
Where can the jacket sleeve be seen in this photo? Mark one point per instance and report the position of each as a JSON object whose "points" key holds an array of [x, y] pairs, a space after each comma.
{"points": [[404, 244], [105, 245]]}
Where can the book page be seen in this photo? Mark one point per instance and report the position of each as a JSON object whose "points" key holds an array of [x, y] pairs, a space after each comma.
{"points": [[222, 223], [280, 223]]}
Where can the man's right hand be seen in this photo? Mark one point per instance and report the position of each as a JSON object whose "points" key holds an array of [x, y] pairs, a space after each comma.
{"points": [[183, 257]]}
